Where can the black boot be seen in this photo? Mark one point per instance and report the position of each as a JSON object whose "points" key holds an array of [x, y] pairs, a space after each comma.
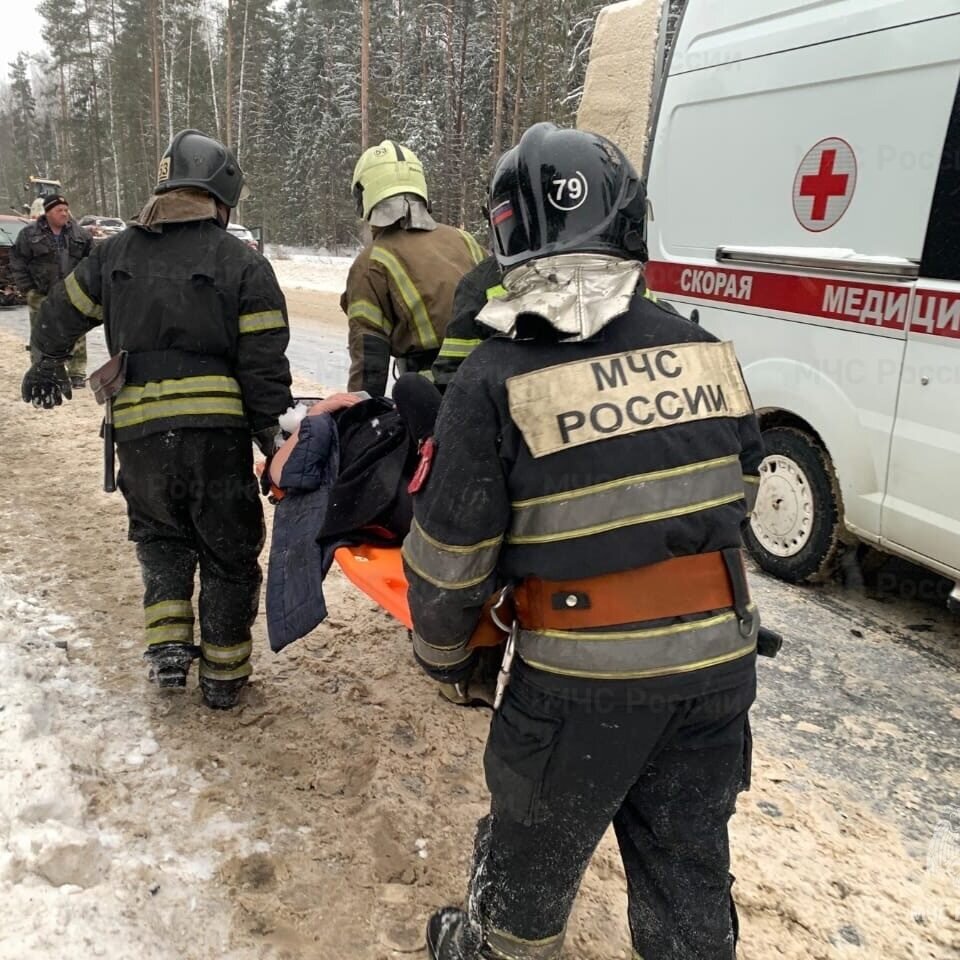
{"points": [[221, 694], [451, 936], [170, 663]]}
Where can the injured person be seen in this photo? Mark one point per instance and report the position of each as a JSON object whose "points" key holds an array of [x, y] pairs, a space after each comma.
{"points": [[341, 483], [341, 478]]}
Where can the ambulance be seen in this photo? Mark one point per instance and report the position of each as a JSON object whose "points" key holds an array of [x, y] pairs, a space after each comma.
{"points": [[803, 167]]}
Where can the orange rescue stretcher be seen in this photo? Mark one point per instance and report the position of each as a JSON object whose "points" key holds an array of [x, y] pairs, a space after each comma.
{"points": [[378, 572]]}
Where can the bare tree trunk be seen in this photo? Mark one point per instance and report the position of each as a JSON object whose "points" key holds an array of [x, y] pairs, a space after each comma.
{"points": [[501, 78], [521, 57], [449, 146], [167, 56], [213, 77], [189, 73], [118, 210], [63, 116], [423, 53], [98, 145], [155, 66], [543, 70], [401, 66], [461, 117], [243, 64], [113, 141], [228, 109], [365, 74]]}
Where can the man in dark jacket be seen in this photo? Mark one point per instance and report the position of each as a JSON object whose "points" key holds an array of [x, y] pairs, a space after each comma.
{"points": [[595, 462], [44, 253], [203, 322]]}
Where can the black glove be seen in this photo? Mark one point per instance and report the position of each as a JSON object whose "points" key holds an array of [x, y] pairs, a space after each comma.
{"points": [[46, 384]]}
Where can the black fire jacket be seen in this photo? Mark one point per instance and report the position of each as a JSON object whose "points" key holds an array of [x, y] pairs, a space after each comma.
{"points": [[202, 317], [566, 460]]}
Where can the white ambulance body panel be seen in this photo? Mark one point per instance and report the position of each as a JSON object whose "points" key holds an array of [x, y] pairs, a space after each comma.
{"points": [[792, 174]]}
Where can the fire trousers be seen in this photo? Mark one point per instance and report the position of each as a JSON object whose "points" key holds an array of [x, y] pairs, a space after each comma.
{"points": [[563, 766], [193, 501]]}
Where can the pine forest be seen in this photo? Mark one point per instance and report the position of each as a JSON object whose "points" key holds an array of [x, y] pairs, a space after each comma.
{"points": [[298, 88]]}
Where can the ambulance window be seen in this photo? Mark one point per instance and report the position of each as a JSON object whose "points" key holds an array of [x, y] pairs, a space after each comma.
{"points": [[941, 252]]}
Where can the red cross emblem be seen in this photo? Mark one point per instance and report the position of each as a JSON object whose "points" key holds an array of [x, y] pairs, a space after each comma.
{"points": [[824, 184]]}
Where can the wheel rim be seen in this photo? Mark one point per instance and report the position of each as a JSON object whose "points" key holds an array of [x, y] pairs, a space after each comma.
{"points": [[782, 520]]}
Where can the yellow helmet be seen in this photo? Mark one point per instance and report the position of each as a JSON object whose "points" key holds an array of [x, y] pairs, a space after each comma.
{"points": [[385, 171]]}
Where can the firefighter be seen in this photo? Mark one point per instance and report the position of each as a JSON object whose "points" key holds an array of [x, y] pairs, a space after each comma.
{"points": [[44, 253], [400, 289], [204, 325], [594, 464]]}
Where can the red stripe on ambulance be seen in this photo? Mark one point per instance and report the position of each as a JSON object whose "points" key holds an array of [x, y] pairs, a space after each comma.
{"points": [[875, 305]]}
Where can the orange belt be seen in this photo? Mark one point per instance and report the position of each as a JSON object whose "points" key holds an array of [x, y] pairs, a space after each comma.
{"points": [[671, 588]]}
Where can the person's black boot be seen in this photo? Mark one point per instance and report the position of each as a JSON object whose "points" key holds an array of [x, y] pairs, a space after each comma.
{"points": [[451, 936], [221, 694], [170, 663]]}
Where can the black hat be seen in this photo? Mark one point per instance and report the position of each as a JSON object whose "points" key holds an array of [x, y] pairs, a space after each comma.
{"points": [[54, 200]]}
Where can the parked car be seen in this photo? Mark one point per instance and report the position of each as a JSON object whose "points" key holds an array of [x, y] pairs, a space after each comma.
{"points": [[242, 233], [10, 227], [100, 228]]}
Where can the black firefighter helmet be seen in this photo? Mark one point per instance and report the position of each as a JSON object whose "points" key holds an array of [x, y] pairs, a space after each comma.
{"points": [[565, 191], [196, 160]]}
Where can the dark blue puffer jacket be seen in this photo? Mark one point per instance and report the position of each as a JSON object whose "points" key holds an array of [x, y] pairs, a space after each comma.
{"points": [[298, 562]]}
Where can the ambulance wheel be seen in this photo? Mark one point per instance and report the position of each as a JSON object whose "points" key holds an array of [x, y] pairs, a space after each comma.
{"points": [[795, 529]]}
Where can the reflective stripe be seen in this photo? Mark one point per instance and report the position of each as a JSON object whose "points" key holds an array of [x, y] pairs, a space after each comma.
{"points": [[634, 654], [449, 566], [371, 313], [189, 396], [751, 487], [169, 389], [264, 320], [496, 293], [80, 299], [184, 407], [217, 673], [650, 295], [476, 251], [452, 347], [509, 947], [632, 500], [170, 633], [226, 655], [411, 297], [441, 657], [167, 609]]}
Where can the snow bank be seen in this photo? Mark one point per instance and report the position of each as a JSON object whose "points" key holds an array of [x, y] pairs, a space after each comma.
{"points": [[312, 271], [69, 886]]}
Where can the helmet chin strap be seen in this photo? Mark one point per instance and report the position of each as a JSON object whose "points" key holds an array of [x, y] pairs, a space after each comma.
{"points": [[223, 214], [635, 245]]}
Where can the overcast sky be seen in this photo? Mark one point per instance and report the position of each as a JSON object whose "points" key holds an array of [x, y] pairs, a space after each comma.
{"points": [[19, 30]]}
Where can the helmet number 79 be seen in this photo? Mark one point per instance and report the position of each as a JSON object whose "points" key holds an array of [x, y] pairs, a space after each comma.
{"points": [[568, 193]]}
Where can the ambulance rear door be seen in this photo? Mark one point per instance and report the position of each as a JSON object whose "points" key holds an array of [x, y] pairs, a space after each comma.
{"points": [[921, 508]]}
